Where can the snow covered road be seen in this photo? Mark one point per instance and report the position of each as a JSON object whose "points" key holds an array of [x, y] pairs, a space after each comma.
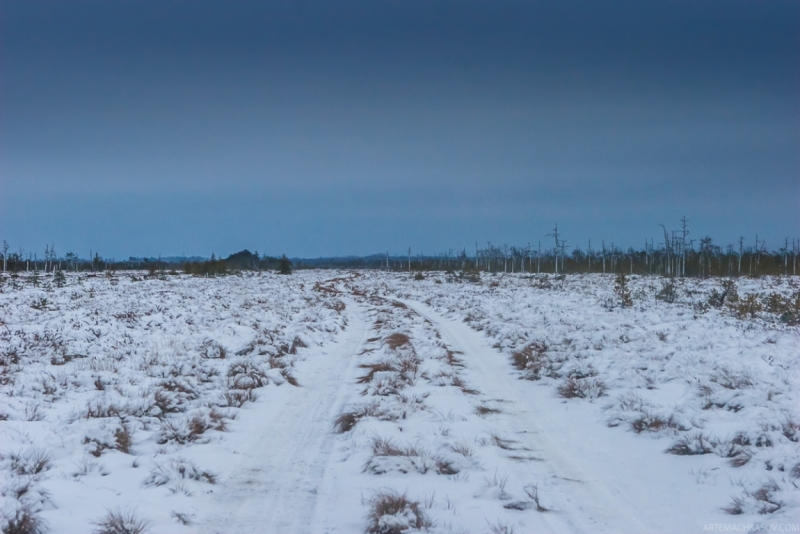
{"points": [[597, 480], [591, 503], [285, 446]]}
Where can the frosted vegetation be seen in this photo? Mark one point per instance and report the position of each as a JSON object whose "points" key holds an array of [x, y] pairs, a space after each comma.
{"points": [[386, 403]]}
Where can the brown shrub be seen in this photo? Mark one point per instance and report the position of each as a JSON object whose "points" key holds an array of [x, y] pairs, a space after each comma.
{"points": [[374, 368], [123, 439], [581, 388], [531, 358], [236, 398], [394, 513], [397, 340], [749, 306]]}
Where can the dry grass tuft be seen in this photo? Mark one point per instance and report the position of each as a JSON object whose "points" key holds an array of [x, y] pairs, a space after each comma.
{"points": [[452, 360], [182, 518], [647, 422], [391, 512], [532, 492], [790, 428], [23, 521], [505, 444], [236, 398], [460, 384], [348, 420], [246, 375], [532, 358], [297, 343], [177, 470], [168, 402], [409, 365], [123, 439], [98, 410], [486, 410], [386, 447], [197, 426], [500, 528], [289, 378], [374, 368], [461, 448], [31, 463], [119, 522], [693, 444], [581, 388], [764, 500], [397, 340]]}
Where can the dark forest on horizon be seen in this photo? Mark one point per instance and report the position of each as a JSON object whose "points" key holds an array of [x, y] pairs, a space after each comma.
{"points": [[674, 255]]}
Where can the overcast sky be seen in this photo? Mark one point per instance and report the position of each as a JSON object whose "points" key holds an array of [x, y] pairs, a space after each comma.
{"points": [[332, 128]]}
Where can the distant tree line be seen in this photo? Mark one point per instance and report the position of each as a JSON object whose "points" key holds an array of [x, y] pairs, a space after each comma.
{"points": [[244, 260], [675, 254], [240, 261]]}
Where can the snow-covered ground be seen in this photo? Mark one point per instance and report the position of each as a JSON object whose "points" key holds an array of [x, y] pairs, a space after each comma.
{"points": [[368, 401]]}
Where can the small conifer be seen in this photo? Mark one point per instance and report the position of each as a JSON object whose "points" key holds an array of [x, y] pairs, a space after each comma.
{"points": [[284, 265], [59, 279]]}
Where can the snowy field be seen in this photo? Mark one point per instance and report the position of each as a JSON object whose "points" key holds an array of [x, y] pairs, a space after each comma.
{"points": [[372, 402]]}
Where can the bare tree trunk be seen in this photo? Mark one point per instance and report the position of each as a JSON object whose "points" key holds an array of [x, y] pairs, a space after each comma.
{"points": [[539, 259], [604, 257]]}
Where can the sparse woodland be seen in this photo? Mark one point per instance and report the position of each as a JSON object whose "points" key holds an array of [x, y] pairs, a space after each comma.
{"points": [[675, 254]]}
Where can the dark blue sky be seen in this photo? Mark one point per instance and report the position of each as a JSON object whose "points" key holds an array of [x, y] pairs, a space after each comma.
{"points": [[325, 128]]}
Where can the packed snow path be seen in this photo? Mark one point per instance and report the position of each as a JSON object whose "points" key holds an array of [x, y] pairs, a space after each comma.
{"points": [[599, 480], [280, 461], [590, 478]]}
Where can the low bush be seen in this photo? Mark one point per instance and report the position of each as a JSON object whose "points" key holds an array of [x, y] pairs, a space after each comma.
{"points": [[177, 470], [668, 292], [648, 422], [531, 358], [582, 388], [761, 500], [236, 398], [693, 444], [786, 308], [246, 375], [749, 306], [391, 512], [727, 294]]}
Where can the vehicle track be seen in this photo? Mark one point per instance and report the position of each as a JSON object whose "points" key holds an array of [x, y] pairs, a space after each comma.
{"points": [[589, 503], [274, 486]]}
